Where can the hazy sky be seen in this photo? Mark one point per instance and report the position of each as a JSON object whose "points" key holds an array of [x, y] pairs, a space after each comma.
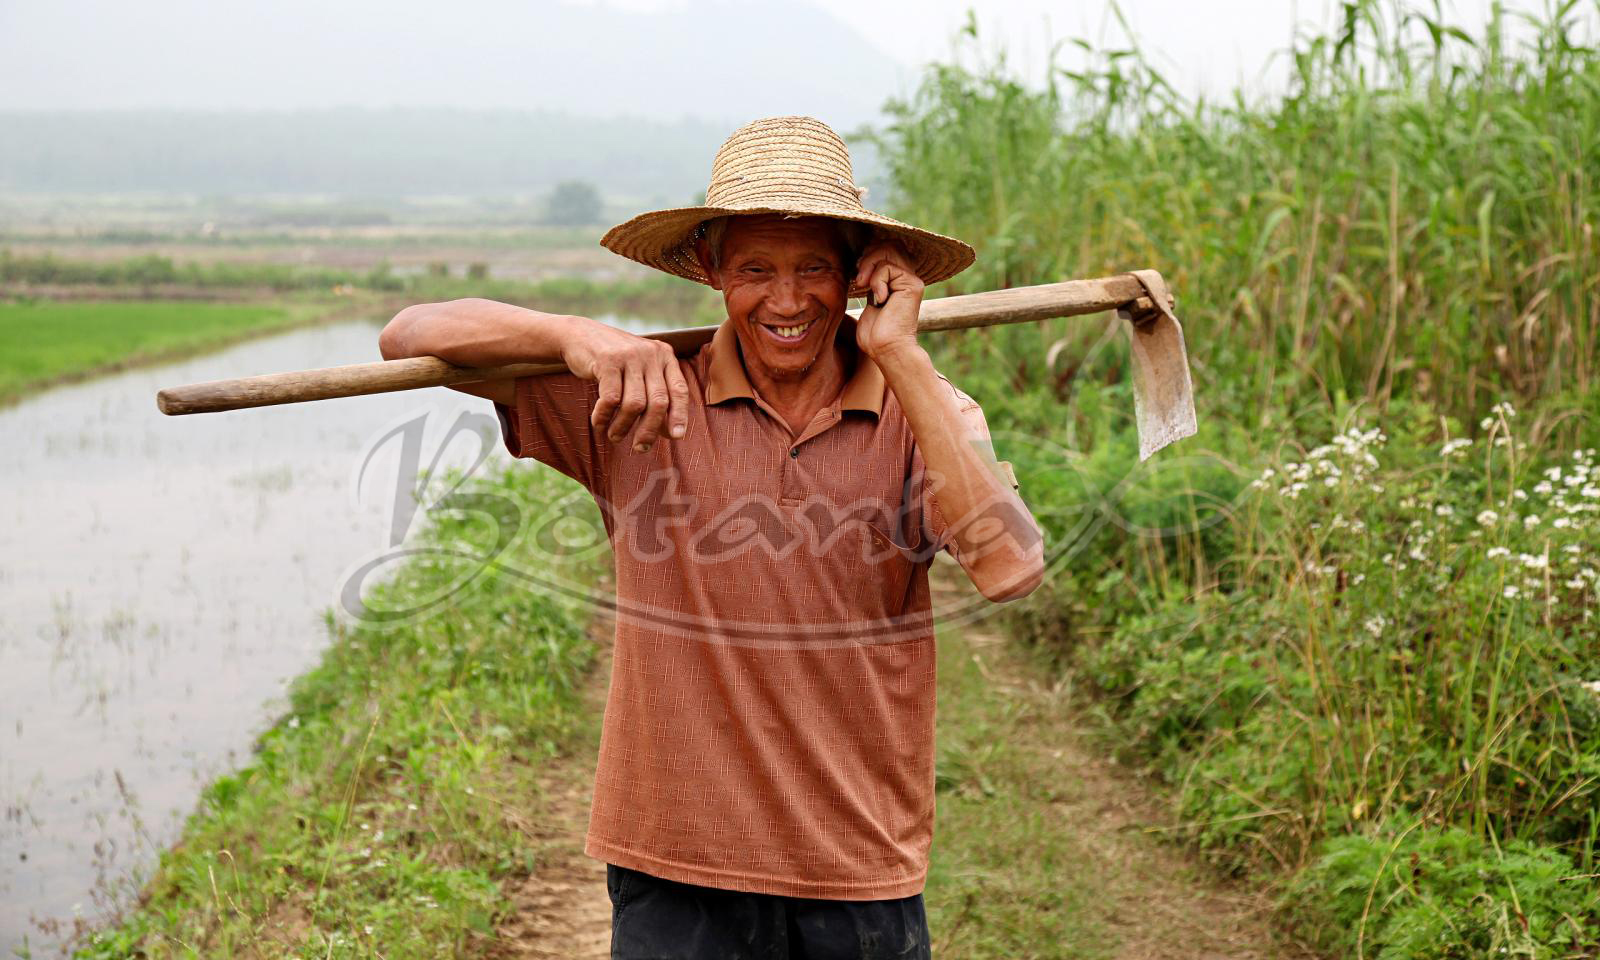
{"points": [[717, 59]]}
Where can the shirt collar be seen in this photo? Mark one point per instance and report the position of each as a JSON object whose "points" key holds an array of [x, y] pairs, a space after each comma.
{"points": [[727, 378]]}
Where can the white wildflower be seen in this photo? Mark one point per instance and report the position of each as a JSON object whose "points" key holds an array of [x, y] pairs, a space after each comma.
{"points": [[1453, 447], [1375, 625], [1444, 510], [1530, 521], [1496, 553], [1561, 523], [1552, 474], [1543, 488], [1488, 518], [1519, 494], [1533, 561], [294, 723], [1572, 548], [1593, 686], [1510, 592]]}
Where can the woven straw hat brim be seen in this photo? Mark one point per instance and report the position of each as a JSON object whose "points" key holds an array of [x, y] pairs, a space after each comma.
{"points": [[795, 166], [664, 239]]}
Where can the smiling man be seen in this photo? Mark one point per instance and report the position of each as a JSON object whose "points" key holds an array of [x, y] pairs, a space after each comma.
{"points": [[774, 501]]}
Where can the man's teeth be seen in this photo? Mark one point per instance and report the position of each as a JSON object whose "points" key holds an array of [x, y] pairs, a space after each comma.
{"points": [[793, 331]]}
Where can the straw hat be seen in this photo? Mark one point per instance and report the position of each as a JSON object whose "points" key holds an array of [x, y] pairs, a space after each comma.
{"points": [[791, 165]]}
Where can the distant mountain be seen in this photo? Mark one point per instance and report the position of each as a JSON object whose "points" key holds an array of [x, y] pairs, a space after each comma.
{"points": [[352, 152], [720, 60]]}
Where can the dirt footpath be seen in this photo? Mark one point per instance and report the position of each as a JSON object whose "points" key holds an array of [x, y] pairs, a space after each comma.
{"points": [[1116, 891]]}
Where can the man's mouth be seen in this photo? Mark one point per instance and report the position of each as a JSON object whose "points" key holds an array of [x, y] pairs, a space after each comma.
{"points": [[790, 334]]}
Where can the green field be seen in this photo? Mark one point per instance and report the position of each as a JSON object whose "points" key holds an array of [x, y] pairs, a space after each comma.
{"points": [[45, 342]]}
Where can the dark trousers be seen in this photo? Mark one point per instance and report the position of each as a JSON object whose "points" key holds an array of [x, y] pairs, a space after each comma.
{"points": [[656, 919]]}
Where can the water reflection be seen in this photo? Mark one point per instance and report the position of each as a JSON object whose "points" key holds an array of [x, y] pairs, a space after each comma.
{"points": [[161, 580]]}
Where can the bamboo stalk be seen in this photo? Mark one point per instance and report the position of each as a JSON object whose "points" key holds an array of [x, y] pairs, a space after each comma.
{"points": [[1018, 305]]}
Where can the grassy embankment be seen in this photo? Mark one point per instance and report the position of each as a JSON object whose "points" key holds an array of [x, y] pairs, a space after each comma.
{"points": [[380, 814], [1354, 623]]}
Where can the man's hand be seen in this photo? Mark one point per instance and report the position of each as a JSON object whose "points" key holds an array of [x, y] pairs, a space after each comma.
{"points": [[641, 386], [894, 298]]}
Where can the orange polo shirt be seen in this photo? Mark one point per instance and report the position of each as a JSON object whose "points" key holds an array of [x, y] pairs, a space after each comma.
{"points": [[769, 724]]}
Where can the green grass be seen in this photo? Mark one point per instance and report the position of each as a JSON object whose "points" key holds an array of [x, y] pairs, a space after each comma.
{"points": [[43, 342], [380, 814], [1353, 623]]}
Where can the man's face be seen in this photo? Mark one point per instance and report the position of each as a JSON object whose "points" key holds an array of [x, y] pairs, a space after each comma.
{"points": [[783, 282]]}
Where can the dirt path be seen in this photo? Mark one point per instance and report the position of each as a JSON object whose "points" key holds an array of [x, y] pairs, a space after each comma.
{"points": [[1057, 826], [1042, 849]]}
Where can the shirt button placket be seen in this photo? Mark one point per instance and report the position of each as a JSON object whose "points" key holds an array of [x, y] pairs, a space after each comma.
{"points": [[789, 484]]}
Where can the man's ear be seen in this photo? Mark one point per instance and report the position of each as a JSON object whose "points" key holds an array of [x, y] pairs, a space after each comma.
{"points": [[702, 253]]}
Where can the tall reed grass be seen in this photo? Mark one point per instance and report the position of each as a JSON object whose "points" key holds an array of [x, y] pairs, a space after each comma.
{"points": [[1356, 622], [1408, 219]]}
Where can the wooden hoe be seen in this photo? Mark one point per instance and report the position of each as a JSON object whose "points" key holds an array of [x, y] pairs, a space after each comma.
{"points": [[1163, 392]]}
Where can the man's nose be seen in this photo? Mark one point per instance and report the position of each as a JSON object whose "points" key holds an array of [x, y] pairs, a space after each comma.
{"points": [[785, 298]]}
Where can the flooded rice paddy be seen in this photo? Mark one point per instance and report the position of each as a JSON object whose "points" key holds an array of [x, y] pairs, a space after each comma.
{"points": [[161, 581]]}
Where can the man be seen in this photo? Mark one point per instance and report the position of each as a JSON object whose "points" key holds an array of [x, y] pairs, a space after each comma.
{"points": [[765, 782]]}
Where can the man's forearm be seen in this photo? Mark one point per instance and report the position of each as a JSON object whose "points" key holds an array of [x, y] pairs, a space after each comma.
{"points": [[1003, 563], [479, 333]]}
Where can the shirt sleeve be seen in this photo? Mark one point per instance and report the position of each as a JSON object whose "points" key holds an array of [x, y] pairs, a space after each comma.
{"points": [[549, 421], [935, 527]]}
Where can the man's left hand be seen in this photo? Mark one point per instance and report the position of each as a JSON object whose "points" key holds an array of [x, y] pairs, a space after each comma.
{"points": [[894, 298]]}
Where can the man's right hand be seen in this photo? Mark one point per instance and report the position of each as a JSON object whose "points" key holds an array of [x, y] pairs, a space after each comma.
{"points": [[642, 388]]}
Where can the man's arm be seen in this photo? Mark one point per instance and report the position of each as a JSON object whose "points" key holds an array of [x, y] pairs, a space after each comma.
{"points": [[998, 542], [640, 384]]}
